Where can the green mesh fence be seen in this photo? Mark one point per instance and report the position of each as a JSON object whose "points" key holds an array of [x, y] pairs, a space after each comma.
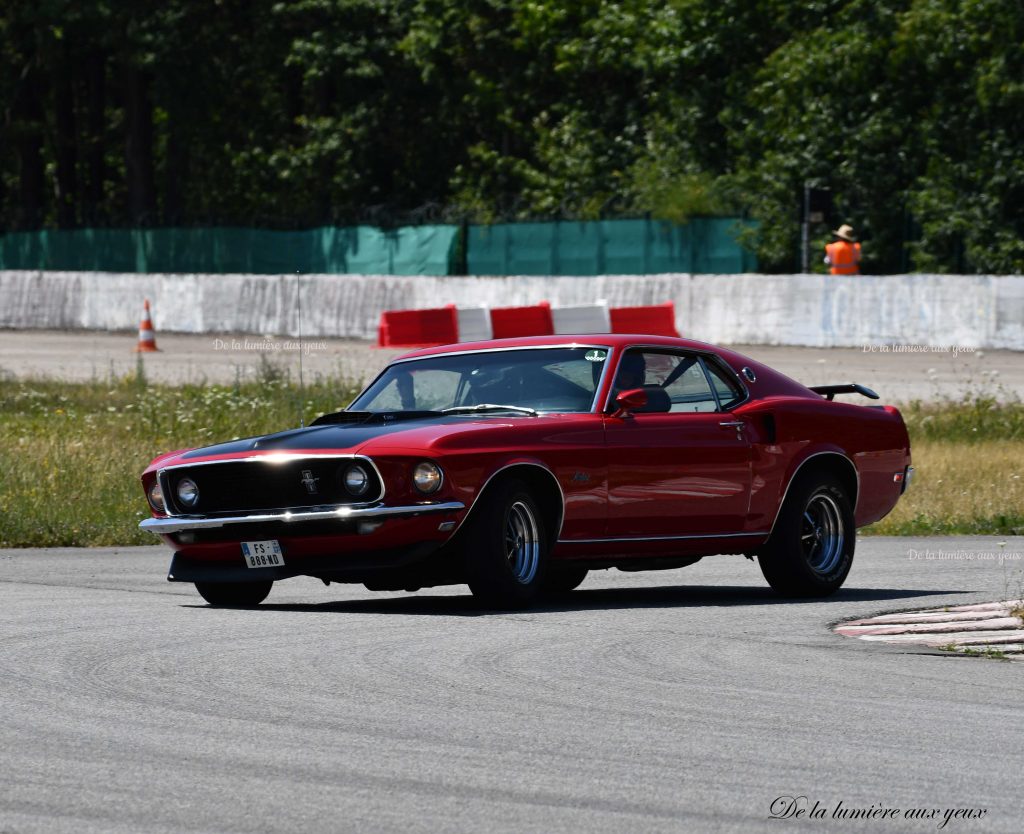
{"points": [[629, 247], [608, 247], [411, 250]]}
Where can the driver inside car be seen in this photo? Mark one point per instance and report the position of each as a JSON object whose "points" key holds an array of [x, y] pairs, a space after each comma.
{"points": [[632, 373]]}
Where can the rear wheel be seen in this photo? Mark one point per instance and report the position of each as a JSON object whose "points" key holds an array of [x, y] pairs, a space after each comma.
{"points": [[234, 594], [810, 552], [506, 558]]}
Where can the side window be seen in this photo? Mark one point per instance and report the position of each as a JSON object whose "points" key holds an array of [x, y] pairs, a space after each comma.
{"points": [[729, 393], [688, 387], [673, 381]]}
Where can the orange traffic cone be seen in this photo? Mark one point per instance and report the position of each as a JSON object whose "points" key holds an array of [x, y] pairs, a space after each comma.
{"points": [[147, 338]]}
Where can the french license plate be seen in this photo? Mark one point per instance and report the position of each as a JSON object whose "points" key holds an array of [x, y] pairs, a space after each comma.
{"points": [[265, 554]]}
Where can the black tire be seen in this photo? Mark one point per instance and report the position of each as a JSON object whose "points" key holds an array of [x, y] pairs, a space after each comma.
{"points": [[811, 549], [234, 594], [506, 555], [561, 580]]}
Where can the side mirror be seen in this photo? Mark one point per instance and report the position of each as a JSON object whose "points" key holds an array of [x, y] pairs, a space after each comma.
{"points": [[629, 401]]}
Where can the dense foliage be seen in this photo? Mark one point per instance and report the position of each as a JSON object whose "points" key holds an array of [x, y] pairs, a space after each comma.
{"points": [[292, 114]]}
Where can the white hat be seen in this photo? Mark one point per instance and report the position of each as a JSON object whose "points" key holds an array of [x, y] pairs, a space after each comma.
{"points": [[845, 232]]}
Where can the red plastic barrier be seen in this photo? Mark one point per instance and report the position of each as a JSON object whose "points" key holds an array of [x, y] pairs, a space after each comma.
{"points": [[508, 322], [418, 328], [653, 320]]}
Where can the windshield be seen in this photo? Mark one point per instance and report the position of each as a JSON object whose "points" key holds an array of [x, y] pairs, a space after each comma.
{"points": [[562, 379]]}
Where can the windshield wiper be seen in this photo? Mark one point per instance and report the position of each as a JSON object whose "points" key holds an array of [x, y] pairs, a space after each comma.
{"points": [[470, 409]]}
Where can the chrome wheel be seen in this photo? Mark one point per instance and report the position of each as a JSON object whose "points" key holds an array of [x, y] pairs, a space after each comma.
{"points": [[505, 557], [822, 534], [522, 542], [810, 551]]}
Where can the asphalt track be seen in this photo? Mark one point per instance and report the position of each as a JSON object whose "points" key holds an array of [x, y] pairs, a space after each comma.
{"points": [[898, 376], [675, 701]]}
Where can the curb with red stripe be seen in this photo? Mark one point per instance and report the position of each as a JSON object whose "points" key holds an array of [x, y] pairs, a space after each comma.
{"points": [[986, 627], [450, 324]]}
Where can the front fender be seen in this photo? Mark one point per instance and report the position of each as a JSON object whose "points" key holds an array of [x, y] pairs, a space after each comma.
{"points": [[532, 468]]}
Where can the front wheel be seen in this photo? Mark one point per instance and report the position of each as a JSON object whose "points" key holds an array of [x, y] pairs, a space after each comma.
{"points": [[561, 579], [506, 559], [234, 594], [811, 549]]}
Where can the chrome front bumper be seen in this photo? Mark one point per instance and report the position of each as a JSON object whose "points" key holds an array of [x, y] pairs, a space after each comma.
{"points": [[175, 524]]}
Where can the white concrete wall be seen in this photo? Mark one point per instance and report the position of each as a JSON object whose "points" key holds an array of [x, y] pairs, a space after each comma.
{"points": [[828, 311]]}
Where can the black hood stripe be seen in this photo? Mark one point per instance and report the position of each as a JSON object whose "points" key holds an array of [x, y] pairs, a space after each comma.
{"points": [[337, 437]]}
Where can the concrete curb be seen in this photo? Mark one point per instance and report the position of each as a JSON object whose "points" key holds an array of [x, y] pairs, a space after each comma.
{"points": [[984, 627]]}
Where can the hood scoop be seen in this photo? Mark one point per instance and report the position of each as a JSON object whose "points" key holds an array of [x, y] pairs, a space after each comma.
{"points": [[379, 418]]}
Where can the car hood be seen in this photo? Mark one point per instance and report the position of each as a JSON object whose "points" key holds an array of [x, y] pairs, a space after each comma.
{"points": [[353, 436]]}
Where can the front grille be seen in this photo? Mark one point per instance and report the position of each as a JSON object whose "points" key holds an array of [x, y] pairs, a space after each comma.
{"points": [[267, 484]]}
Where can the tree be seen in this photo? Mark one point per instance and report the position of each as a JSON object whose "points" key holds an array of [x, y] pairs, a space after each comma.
{"points": [[968, 195], [828, 108], [308, 112]]}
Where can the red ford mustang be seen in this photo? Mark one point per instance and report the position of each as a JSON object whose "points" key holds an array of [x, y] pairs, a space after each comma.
{"points": [[519, 465]]}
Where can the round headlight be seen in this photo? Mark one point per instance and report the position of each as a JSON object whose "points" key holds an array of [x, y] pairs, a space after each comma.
{"points": [[188, 492], [356, 480], [156, 497], [427, 477]]}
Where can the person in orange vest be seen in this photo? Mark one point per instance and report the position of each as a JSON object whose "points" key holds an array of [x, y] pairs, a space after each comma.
{"points": [[843, 254]]}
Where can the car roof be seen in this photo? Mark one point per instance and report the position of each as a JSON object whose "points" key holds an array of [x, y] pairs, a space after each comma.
{"points": [[614, 340], [770, 381]]}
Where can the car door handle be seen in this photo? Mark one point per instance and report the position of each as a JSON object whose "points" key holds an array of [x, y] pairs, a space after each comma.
{"points": [[739, 425]]}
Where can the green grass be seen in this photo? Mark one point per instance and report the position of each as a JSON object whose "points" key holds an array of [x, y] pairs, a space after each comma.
{"points": [[972, 420], [969, 479], [968, 487], [992, 654], [71, 454]]}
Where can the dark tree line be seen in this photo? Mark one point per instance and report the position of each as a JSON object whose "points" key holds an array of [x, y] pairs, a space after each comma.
{"points": [[313, 112]]}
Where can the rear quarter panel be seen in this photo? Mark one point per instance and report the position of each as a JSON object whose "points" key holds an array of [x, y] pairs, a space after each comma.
{"points": [[874, 439]]}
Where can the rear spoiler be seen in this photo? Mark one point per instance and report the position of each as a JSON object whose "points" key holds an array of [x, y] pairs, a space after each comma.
{"points": [[829, 391]]}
